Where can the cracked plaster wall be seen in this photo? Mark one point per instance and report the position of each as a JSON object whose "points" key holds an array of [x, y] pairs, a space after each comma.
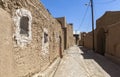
{"points": [[27, 56], [22, 40]]}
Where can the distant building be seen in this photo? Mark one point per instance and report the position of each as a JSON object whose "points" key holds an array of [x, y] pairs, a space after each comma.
{"points": [[67, 32], [76, 39]]}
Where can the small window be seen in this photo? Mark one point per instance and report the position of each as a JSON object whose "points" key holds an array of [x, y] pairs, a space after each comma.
{"points": [[45, 37], [24, 25]]}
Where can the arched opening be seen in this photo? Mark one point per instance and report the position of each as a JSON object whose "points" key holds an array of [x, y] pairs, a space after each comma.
{"points": [[24, 25], [101, 42]]}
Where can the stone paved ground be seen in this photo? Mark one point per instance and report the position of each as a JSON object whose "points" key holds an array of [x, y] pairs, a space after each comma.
{"points": [[85, 63]]}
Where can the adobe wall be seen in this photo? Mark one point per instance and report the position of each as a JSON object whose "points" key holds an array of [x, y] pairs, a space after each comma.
{"points": [[114, 37], [110, 17], [6, 54], [107, 35], [88, 41], [62, 21], [70, 39], [113, 41], [32, 52]]}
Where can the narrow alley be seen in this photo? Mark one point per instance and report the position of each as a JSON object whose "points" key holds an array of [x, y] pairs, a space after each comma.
{"points": [[85, 63], [49, 38]]}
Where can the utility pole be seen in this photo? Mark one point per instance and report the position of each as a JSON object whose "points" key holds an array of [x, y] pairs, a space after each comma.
{"points": [[92, 11]]}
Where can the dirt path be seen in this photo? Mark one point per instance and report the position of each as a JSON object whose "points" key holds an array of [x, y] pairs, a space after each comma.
{"points": [[85, 63]]}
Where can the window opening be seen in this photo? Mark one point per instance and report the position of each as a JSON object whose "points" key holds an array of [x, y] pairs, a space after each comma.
{"points": [[45, 37], [24, 25]]}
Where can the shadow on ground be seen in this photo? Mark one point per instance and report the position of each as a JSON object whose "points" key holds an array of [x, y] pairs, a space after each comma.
{"points": [[108, 66]]}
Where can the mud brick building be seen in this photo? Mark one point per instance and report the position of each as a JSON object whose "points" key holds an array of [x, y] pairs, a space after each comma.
{"points": [[67, 32], [76, 39], [86, 40], [107, 35], [31, 39]]}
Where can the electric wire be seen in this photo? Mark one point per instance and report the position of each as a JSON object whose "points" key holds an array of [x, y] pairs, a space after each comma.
{"points": [[86, 11], [85, 14]]}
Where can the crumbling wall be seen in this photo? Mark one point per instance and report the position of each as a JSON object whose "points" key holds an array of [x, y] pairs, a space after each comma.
{"points": [[56, 32], [23, 21], [30, 51]]}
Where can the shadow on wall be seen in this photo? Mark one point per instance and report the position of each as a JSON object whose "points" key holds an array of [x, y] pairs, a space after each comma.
{"points": [[101, 41], [111, 68]]}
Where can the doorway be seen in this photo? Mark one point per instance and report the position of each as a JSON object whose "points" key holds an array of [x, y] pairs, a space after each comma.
{"points": [[60, 47], [101, 42]]}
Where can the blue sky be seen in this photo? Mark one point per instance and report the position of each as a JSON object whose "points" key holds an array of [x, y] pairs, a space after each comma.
{"points": [[74, 11]]}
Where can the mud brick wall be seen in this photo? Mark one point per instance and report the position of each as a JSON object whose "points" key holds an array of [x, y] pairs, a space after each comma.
{"points": [[31, 51]]}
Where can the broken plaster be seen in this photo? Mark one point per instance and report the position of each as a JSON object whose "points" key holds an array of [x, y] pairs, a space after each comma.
{"points": [[45, 46], [22, 39]]}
